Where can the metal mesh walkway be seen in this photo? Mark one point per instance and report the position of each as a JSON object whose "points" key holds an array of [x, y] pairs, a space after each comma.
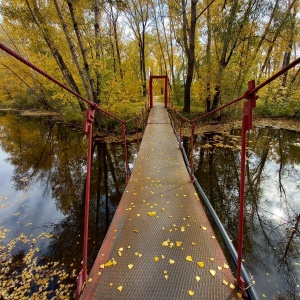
{"points": [[160, 244]]}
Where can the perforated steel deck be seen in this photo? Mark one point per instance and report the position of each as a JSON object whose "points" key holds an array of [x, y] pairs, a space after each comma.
{"points": [[158, 224]]}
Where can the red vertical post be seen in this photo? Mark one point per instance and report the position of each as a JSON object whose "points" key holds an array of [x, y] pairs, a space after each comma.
{"points": [[151, 92], [125, 150], [192, 150], [246, 125], [88, 128], [166, 92]]}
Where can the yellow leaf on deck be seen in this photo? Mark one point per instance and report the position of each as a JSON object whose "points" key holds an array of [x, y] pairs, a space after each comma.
{"points": [[90, 279], [225, 266], [219, 268], [212, 259], [200, 264], [121, 249], [165, 243], [203, 227], [212, 272], [119, 253], [232, 286], [130, 266], [213, 237], [225, 282], [171, 261], [120, 288], [189, 258], [151, 213], [134, 193], [239, 294], [198, 278], [156, 258], [108, 264], [135, 231], [264, 296], [166, 277], [193, 244], [182, 229], [178, 243], [191, 293], [138, 215]]}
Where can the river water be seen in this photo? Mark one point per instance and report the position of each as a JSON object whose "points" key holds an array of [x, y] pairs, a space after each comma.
{"points": [[43, 164]]}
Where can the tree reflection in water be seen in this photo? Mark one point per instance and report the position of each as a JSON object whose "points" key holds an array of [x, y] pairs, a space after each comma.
{"points": [[44, 164], [271, 237]]}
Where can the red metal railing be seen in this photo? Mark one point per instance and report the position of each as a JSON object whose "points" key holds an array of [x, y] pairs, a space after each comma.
{"points": [[250, 96], [139, 119]]}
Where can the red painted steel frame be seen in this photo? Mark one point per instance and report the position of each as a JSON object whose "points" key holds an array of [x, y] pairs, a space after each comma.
{"points": [[246, 125], [166, 91], [88, 128]]}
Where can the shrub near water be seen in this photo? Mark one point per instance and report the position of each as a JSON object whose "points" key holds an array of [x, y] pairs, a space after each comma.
{"points": [[22, 277]]}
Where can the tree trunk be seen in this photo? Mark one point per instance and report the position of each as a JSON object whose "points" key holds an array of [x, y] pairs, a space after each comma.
{"points": [[97, 46], [56, 54], [83, 51], [189, 47], [72, 50]]}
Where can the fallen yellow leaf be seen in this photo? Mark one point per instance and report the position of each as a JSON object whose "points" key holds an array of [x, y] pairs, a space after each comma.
{"points": [[212, 272], [135, 231], [239, 294], [120, 288], [178, 243], [171, 261], [90, 279], [198, 278], [166, 277], [189, 258], [203, 227], [219, 268], [225, 282], [165, 243], [108, 264], [193, 244], [200, 264], [130, 266], [225, 266], [182, 229], [151, 213], [212, 259], [191, 293], [264, 296], [232, 286], [156, 258]]}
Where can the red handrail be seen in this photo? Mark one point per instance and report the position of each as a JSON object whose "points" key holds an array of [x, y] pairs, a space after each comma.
{"points": [[88, 128], [250, 96]]}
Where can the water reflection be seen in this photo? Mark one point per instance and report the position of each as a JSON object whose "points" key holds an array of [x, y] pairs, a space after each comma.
{"points": [[43, 166], [271, 238]]}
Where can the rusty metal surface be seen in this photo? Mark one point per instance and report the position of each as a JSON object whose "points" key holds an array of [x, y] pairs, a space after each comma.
{"points": [[159, 223]]}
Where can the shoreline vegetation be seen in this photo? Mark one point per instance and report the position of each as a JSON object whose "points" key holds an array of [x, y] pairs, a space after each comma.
{"points": [[286, 123]]}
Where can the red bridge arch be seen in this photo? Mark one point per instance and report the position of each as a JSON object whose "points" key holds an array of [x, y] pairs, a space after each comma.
{"points": [[166, 91]]}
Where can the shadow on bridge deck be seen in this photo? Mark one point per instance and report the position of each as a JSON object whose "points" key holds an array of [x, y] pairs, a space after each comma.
{"points": [[160, 236]]}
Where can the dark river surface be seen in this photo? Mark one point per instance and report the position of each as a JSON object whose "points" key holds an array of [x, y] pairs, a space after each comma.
{"points": [[42, 177]]}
